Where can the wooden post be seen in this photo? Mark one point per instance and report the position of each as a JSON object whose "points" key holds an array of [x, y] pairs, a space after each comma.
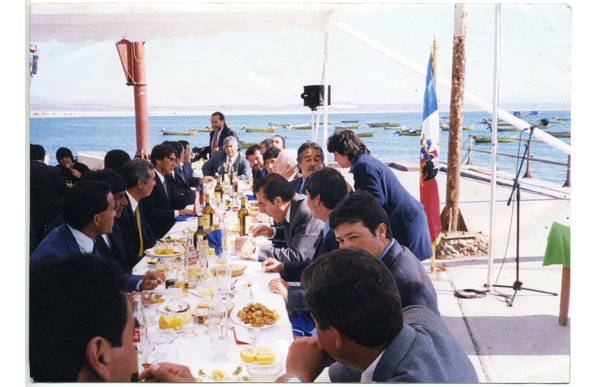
{"points": [[565, 291], [451, 217], [132, 57]]}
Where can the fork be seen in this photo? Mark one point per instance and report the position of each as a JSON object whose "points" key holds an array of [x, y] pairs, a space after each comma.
{"points": [[251, 293]]}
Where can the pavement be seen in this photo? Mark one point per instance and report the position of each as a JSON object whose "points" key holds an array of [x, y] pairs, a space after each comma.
{"points": [[522, 343]]}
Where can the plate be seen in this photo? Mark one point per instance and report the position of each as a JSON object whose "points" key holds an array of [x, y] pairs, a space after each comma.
{"points": [[237, 320], [150, 253], [164, 304]]}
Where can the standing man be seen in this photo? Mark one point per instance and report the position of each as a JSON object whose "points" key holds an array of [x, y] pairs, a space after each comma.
{"points": [[219, 133], [231, 157], [310, 158], [139, 176], [158, 209], [70, 169], [255, 158], [298, 228], [47, 186]]}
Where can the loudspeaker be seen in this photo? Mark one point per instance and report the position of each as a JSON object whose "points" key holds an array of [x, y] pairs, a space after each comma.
{"points": [[314, 94]]}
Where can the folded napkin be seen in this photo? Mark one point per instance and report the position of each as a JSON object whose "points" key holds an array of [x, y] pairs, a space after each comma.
{"points": [[302, 325], [182, 218], [215, 239], [251, 197]]}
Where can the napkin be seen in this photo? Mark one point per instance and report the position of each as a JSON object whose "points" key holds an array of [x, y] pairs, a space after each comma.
{"points": [[215, 239], [251, 197], [182, 218], [302, 325]]}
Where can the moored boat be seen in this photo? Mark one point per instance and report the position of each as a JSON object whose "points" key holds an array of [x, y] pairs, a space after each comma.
{"points": [[413, 132], [303, 126], [279, 124], [269, 130], [349, 121], [395, 128], [368, 134], [382, 124], [489, 139], [565, 134], [246, 145], [348, 127], [167, 133]]}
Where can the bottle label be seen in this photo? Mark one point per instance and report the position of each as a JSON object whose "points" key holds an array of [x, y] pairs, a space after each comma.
{"points": [[207, 221], [192, 257], [137, 336]]}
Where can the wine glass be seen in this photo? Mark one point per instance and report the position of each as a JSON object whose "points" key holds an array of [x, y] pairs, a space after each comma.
{"points": [[219, 342]]}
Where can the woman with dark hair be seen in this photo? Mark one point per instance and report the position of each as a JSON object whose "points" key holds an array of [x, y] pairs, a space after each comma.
{"points": [[407, 218], [70, 169]]}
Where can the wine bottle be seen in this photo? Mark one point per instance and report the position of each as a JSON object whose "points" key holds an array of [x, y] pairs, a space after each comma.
{"points": [[243, 216], [218, 192], [207, 215]]}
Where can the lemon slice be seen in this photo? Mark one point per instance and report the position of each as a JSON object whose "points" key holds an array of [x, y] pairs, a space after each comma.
{"points": [[265, 356], [163, 323], [248, 354], [220, 374], [170, 317], [263, 349], [176, 323], [186, 318]]}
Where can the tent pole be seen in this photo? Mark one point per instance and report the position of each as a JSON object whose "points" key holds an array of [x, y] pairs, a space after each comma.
{"points": [[490, 269], [325, 98]]}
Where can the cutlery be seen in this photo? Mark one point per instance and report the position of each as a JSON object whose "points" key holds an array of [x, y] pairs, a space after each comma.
{"points": [[251, 293]]}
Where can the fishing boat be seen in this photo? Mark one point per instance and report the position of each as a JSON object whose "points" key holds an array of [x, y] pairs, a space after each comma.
{"points": [[534, 113], [468, 127], [382, 124], [278, 124], [560, 134], [166, 133], [269, 130], [205, 130], [562, 118], [348, 127], [303, 126], [349, 121], [246, 145], [556, 121], [413, 132], [508, 129], [395, 128], [368, 134], [489, 139], [517, 114]]}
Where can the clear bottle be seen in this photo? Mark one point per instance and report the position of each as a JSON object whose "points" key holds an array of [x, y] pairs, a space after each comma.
{"points": [[191, 262], [235, 202], [202, 248], [243, 217], [223, 231], [140, 334]]}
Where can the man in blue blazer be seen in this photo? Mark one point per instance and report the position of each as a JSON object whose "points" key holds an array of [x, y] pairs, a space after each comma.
{"points": [[159, 212], [361, 324], [230, 157]]}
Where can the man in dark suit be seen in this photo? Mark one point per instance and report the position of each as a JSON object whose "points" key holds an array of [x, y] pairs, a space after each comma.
{"points": [[230, 157], [299, 228], [287, 164], [310, 158], [360, 221], [325, 188], [255, 158], [219, 133], [139, 179], [159, 212], [70, 169], [182, 194], [361, 323], [186, 165], [47, 186]]}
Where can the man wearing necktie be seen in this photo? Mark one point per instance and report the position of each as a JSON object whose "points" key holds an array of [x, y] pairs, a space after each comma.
{"points": [[310, 158], [220, 131], [186, 165], [231, 157], [255, 158], [88, 211], [276, 198], [181, 195]]}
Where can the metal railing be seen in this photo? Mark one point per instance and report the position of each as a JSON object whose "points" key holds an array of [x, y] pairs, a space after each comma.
{"points": [[467, 158]]}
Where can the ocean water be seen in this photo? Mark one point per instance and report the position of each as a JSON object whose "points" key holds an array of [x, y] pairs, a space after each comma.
{"points": [[105, 133]]}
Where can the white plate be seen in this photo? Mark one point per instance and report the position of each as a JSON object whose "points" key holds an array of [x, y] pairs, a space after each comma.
{"points": [[237, 320], [150, 253], [163, 305]]}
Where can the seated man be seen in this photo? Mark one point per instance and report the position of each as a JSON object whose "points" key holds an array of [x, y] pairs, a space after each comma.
{"points": [[115, 159], [70, 169], [287, 165], [255, 158], [270, 156], [186, 166], [310, 158], [360, 221], [81, 327], [360, 322], [230, 157], [277, 141], [298, 229], [182, 194]]}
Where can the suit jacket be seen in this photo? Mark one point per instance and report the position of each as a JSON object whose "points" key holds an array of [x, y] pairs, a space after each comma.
{"points": [[256, 175], [225, 132], [414, 285], [188, 172], [128, 226], [117, 253], [303, 231], [297, 184], [407, 218], [59, 243], [158, 210], [241, 166], [68, 175], [424, 351], [180, 195]]}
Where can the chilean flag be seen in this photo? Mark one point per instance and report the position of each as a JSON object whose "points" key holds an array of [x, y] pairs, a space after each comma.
{"points": [[429, 158]]}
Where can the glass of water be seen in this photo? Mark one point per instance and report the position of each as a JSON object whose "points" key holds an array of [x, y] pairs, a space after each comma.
{"points": [[219, 343]]}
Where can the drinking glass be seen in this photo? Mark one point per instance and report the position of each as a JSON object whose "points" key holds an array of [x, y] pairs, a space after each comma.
{"points": [[167, 355], [263, 371], [223, 275], [219, 343], [175, 291], [212, 319], [151, 311]]}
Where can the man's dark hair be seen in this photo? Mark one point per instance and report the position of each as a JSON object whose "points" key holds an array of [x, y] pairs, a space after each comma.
{"points": [[221, 117], [62, 152], [252, 150], [116, 182], [71, 301], [160, 152], [329, 184], [36, 152], [184, 143], [346, 143], [271, 153], [309, 145], [136, 170], [115, 159], [360, 207], [84, 200], [274, 185], [282, 139], [355, 293], [177, 146]]}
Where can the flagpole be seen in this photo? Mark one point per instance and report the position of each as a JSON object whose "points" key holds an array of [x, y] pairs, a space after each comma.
{"points": [[434, 70]]}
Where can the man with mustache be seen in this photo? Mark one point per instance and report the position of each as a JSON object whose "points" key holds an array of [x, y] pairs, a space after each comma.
{"points": [[310, 158]]}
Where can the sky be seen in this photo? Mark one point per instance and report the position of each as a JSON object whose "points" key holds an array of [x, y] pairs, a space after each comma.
{"points": [[272, 67]]}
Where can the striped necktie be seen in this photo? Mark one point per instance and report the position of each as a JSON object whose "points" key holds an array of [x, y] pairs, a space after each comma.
{"points": [[165, 187], [139, 227]]}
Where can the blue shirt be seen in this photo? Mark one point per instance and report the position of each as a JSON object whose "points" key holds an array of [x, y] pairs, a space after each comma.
{"points": [[386, 249]]}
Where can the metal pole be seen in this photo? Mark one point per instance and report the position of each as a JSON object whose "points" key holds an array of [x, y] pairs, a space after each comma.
{"points": [[451, 217], [140, 97], [325, 98]]}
